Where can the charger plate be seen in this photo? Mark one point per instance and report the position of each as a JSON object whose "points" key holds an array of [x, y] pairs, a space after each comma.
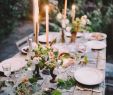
{"points": [[89, 76], [15, 62], [96, 44], [97, 36], [52, 36]]}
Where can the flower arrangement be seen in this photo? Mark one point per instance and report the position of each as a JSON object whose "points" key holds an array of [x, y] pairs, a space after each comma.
{"points": [[45, 58], [80, 24]]}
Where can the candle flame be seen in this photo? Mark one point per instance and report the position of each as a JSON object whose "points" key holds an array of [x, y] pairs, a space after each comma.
{"points": [[46, 7], [73, 6]]}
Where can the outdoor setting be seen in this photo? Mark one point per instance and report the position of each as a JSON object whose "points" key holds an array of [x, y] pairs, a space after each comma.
{"points": [[56, 47]]}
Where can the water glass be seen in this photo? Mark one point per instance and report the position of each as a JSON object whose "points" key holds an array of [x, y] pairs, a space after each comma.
{"points": [[7, 69]]}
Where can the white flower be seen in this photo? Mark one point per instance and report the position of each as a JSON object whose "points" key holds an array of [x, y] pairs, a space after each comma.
{"points": [[68, 29], [59, 16], [84, 20], [88, 22], [64, 23]]}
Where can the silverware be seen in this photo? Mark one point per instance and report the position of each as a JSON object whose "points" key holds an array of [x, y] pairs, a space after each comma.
{"points": [[88, 89]]}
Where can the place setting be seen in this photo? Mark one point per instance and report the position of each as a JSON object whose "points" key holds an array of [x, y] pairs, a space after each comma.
{"points": [[97, 36]]}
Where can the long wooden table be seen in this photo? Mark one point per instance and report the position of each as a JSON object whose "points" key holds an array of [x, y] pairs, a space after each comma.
{"points": [[68, 71]]}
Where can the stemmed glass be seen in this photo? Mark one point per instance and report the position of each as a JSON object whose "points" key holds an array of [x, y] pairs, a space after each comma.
{"points": [[96, 53], [7, 71], [81, 51]]}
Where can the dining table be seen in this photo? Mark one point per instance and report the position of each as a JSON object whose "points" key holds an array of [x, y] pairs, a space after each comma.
{"points": [[96, 60]]}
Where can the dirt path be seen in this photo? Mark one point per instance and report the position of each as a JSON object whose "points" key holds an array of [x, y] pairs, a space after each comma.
{"points": [[8, 46]]}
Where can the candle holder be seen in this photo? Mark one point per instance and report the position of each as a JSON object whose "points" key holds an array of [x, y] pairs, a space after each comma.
{"points": [[52, 75], [46, 71], [36, 72], [62, 36], [73, 37]]}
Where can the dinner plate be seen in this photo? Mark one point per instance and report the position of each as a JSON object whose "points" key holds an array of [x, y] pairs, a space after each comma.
{"points": [[96, 44], [68, 34], [97, 36], [52, 36], [89, 76], [65, 48], [25, 49], [16, 63]]}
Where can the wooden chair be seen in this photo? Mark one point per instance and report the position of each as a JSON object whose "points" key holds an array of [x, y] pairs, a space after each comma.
{"points": [[23, 41], [109, 74]]}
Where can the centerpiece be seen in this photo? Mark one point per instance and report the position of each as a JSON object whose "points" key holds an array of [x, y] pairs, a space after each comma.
{"points": [[45, 58], [74, 29], [79, 25]]}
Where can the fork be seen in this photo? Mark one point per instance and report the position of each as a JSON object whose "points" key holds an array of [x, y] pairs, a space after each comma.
{"points": [[87, 89]]}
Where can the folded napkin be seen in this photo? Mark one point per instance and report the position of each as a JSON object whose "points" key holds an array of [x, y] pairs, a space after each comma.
{"points": [[88, 88]]}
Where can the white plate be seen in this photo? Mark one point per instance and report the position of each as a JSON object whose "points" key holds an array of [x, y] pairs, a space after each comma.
{"points": [[16, 63], [52, 36], [89, 76], [63, 47], [96, 44], [68, 34], [97, 36], [25, 49]]}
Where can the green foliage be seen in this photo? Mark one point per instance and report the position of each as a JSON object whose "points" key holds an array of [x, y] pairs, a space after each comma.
{"points": [[41, 51], [52, 92], [41, 63], [10, 12], [100, 14], [96, 20], [56, 92], [33, 79], [108, 15], [66, 84]]}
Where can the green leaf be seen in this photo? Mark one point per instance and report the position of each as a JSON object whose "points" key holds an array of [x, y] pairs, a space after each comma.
{"points": [[56, 92]]}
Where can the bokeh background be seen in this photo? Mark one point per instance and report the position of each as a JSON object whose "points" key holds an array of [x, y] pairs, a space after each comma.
{"points": [[16, 13]]}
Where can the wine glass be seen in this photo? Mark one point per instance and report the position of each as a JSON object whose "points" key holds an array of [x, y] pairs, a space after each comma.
{"points": [[96, 54], [81, 51]]}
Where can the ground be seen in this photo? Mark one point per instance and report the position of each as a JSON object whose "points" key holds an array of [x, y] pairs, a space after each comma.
{"points": [[8, 47]]}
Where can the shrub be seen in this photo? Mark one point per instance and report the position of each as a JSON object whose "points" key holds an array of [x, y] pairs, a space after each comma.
{"points": [[10, 12]]}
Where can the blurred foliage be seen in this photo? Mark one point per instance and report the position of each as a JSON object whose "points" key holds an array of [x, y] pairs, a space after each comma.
{"points": [[10, 12], [100, 12]]}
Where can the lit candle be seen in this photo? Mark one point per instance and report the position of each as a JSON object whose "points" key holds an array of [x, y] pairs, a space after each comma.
{"points": [[47, 24], [36, 19], [65, 9], [73, 12]]}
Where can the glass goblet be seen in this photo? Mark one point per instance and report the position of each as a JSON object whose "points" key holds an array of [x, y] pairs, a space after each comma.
{"points": [[81, 52], [7, 71]]}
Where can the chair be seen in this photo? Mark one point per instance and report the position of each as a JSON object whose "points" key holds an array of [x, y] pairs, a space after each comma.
{"points": [[23, 41], [109, 79]]}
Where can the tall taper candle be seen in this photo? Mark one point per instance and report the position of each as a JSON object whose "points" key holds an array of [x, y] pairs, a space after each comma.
{"points": [[73, 12], [47, 25], [65, 9], [36, 19]]}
